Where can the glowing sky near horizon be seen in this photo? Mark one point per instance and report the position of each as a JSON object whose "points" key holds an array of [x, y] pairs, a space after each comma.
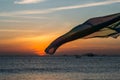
{"points": [[27, 27]]}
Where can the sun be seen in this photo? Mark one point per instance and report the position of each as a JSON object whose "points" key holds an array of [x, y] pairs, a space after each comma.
{"points": [[39, 44], [40, 53], [39, 49]]}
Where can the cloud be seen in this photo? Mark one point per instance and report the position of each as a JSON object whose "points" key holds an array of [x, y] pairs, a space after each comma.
{"points": [[107, 2], [87, 5], [16, 30], [28, 1], [11, 21], [17, 15], [23, 13]]}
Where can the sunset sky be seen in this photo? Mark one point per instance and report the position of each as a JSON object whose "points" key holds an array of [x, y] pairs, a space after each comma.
{"points": [[27, 27]]}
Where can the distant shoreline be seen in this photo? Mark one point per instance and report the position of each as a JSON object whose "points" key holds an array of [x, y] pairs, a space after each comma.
{"points": [[77, 56]]}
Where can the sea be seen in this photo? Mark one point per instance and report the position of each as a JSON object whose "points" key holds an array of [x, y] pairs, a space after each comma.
{"points": [[59, 68]]}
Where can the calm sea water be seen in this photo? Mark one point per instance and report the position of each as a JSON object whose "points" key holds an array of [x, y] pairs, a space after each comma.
{"points": [[59, 68]]}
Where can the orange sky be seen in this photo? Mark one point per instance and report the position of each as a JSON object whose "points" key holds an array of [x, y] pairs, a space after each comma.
{"points": [[28, 28], [37, 45]]}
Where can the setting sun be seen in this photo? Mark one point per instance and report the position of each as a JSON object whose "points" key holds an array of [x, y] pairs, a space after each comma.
{"points": [[38, 44]]}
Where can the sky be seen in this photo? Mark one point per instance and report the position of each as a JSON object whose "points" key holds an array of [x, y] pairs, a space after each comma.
{"points": [[27, 27]]}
